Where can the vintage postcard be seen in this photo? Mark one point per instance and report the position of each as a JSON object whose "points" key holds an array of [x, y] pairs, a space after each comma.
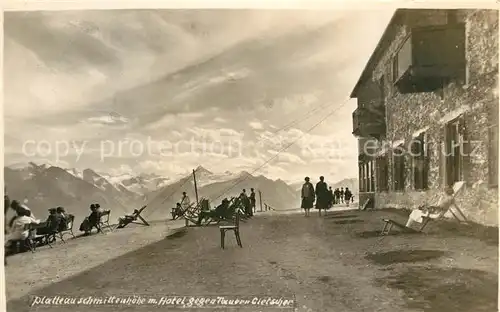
{"points": [[250, 157]]}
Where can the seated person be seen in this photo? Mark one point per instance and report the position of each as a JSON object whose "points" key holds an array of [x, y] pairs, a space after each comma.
{"points": [[52, 223], [122, 221], [177, 211], [18, 229], [445, 203], [92, 220], [61, 212], [219, 212]]}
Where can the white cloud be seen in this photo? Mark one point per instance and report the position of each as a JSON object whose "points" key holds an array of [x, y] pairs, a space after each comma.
{"points": [[108, 119], [256, 125]]}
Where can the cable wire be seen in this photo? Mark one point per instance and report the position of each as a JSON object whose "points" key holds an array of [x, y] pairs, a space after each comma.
{"points": [[284, 148]]}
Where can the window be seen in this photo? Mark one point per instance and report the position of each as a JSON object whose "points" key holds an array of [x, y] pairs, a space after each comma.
{"points": [[399, 170], [382, 174], [420, 162], [454, 151]]}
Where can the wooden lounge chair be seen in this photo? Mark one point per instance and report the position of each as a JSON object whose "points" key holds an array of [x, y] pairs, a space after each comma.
{"points": [[103, 222], [388, 223], [133, 219], [234, 227]]}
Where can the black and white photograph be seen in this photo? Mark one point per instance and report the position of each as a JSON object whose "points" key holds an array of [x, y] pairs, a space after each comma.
{"points": [[336, 158]]}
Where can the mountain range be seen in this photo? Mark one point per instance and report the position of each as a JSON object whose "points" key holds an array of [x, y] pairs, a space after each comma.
{"points": [[45, 186]]}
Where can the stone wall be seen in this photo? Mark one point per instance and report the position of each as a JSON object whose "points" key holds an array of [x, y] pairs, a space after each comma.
{"points": [[476, 95]]}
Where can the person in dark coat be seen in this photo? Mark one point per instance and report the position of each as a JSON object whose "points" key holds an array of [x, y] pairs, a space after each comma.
{"points": [[330, 197], [252, 199], [321, 195], [347, 196], [308, 196], [336, 195], [246, 203]]}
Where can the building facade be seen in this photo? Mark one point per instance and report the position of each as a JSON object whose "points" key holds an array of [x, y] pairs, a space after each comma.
{"points": [[427, 114]]}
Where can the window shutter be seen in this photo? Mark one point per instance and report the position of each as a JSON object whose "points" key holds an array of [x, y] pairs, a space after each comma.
{"points": [[441, 150], [466, 149]]}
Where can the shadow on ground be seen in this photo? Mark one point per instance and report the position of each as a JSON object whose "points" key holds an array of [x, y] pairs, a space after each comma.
{"points": [[348, 221], [404, 256], [445, 289], [340, 216], [486, 234], [376, 233]]}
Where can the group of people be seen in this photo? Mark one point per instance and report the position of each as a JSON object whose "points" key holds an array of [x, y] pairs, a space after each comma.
{"points": [[323, 195], [341, 196], [248, 202], [17, 230]]}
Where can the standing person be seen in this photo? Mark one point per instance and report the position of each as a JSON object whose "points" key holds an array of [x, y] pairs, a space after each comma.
{"points": [[246, 203], [330, 197], [307, 195], [185, 201], [336, 194], [252, 199], [347, 196], [342, 195], [321, 195]]}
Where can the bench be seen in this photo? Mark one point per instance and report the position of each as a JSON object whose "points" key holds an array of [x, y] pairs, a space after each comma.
{"points": [[68, 227], [41, 239]]}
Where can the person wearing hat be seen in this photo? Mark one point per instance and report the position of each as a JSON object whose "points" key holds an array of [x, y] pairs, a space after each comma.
{"points": [[17, 229], [308, 196], [62, 214], [52, 223]]}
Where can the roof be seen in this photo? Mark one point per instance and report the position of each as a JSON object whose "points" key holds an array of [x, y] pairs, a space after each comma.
{"points": [[377, 52]]}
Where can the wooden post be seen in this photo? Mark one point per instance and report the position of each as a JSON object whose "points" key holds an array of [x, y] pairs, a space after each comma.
{"points": [[260, 200], [195, 187]]}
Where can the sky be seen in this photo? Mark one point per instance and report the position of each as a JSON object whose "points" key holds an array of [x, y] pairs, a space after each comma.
{"points": [[164, 91]]}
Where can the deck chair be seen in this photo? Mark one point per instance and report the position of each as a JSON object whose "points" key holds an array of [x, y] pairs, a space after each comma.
{"points": [[103, 222], [191, 213], [234, 227], [133, 218], [388, 223]]}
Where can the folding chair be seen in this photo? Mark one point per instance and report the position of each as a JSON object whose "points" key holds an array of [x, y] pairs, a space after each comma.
{"points": [[388, 223], [104, 221], [133, 219]]}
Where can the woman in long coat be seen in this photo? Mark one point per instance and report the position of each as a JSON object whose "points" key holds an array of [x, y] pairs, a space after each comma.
{"points": [[307, 196]]}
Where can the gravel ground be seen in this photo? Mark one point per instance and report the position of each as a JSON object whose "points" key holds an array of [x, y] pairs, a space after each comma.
{"points": [[333, 263]]}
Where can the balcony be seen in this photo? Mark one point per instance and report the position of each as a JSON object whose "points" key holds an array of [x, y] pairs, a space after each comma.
{"points": [[367, 124], [429, 57]]}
